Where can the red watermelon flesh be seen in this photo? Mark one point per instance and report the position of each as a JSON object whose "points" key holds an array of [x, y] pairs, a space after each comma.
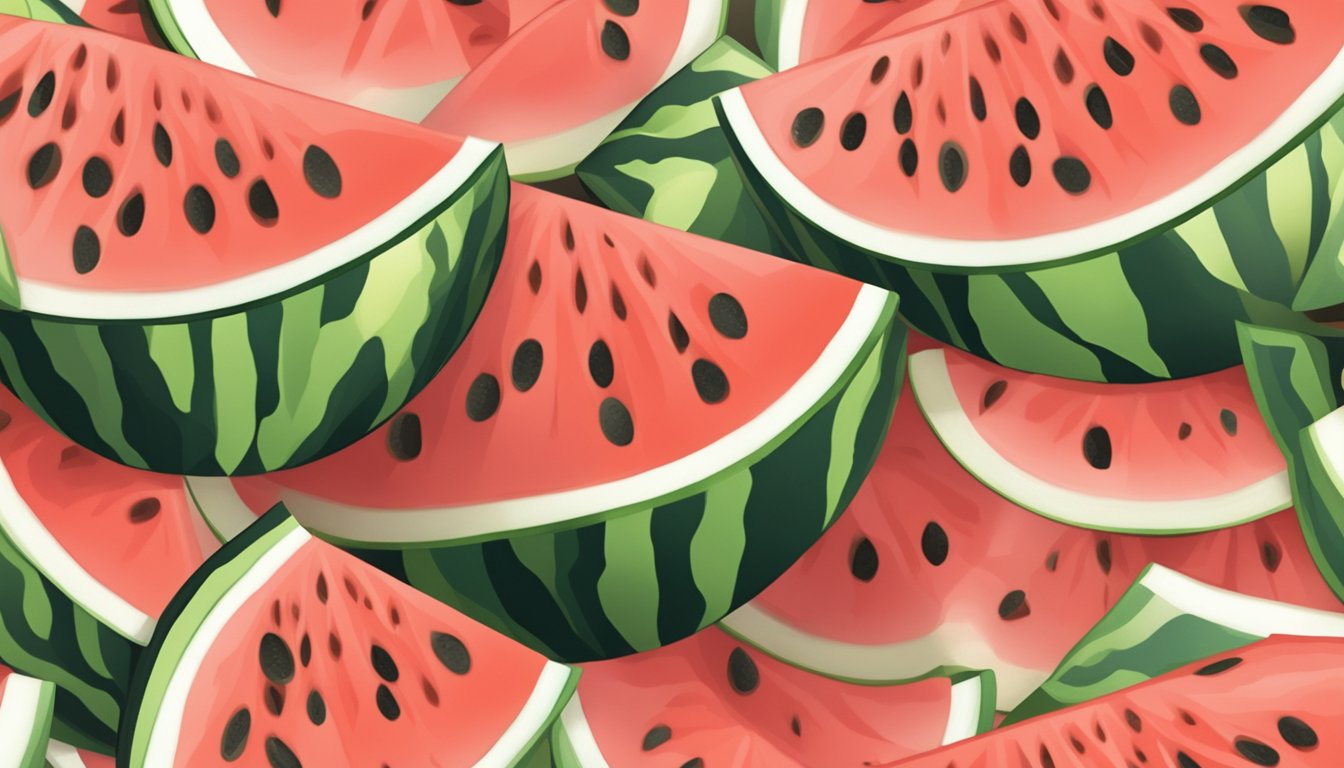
{"points": [[811, 29], [1273, 703], [65, 756], [929, 568], [120, 17], [709, 698]]}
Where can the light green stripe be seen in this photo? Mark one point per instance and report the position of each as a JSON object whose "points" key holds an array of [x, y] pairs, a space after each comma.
{"points": [[924, 281], [1005, 324], [1205, 237], [1289, 189], [235, 374], [849, 417], [628, 586], [90, 647], [681, 186], [718, 544], [172, 352], [78, 356]]}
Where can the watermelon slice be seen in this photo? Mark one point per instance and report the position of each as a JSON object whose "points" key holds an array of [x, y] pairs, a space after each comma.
{"points": [[633, 530], [1275, 703], [707, 698], [25, 719], [310, 267], [62, 755], [286, 647], [929, 570], [120, 17]]}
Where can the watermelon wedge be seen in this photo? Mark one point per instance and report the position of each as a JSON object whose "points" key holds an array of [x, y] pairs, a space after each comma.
{"points": [[310, 267], [284, 647], [708, 699], [61, 755], [1274, 703], [931, 571], [641, 432], [25, 719], [120, 17]]}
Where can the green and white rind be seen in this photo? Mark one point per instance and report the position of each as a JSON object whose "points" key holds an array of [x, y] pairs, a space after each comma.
{"points": [[668, 161], [1163, 622], [1293, 378], [931, 384], [640, 562], [1323, 283], [25, 721], [278, 383], [1319, 494], [196, 617], [970, 713], [44, 10], [62, 755]]}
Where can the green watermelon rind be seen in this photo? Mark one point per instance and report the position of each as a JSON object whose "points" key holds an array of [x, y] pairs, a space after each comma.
{"points": [[1290, 377], [160, 14], [143, 393], [27, 704], [1318, 489], [41, 10]]}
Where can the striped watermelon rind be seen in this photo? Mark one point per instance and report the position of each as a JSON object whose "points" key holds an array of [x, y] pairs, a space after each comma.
{"points": [[25, 720]]}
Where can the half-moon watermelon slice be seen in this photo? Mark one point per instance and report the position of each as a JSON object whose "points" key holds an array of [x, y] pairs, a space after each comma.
{"points": [[641, 432], [25, 719], [207, 273], [283, 650], [708, 699]]}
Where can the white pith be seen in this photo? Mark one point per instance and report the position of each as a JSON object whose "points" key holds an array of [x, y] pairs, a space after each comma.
{"points": [[950, 252], [74, 5], [792, 14], [221, 506], [932, 386], [19, 718], [1327, 437], [551, 686], [1253, 616], [580, 734], [22, 527], [63, 301], [60, 755]]}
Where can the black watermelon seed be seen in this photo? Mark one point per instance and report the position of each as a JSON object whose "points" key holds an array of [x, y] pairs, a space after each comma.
{"points": [[696, 762], [1014, 606], [97, 177], [1185, 761], [277, 661], [1098, 106], [657, 736], [1052, 561], [262, 202], [1072, 175], [614, 418], [727, 316], [1183, 432], [1184, 105], [879, 70], [275, 700], [743, 675], [483, 397], [144, 510], [680, 338], [1104, 555], [1118, 57], [909, 157], [1133, 720], [807, 125], [42, 94], [863, 560], [384, 664], [615, 42], [534, 277], [600, 365], [1270, 23], [163, 145], [8, 103], [322, 588], [273, 6], [1186, 19], [334, 645], [451, 652], [568, 236], [1063, 67], [1151, 37], [853, 131], [796, 726], [1218, 667], [1229, 421], [527, 361], [617, 302], [1097, 447], [226, 158], [131, 215], [44, 165], [1187, 718], [933, 542], [387, 703], [305, 650], [1270, 556], [317, 708], [1077, 745], [646, 272], [978, 107], [86, 250], [952, 166], [1047, 760], [711, 383], [1256, 752], [280, 755], [199, 208], [1296, 733], [1028, 121], [1019, 166], [580, 292], [321, 172], [1218, 60], [903, 116], [623, 7], [992, 48], [236, 730], [992, 394]]}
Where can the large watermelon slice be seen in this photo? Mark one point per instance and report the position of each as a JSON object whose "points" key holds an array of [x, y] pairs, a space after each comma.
{"points": [[206, 273], [641, 432], [1275, 703], [710, 700], [929, 570], [25, 719], [287, 650]]}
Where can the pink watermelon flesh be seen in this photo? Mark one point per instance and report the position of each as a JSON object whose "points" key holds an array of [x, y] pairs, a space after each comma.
{"points": [[824, 32], [184, 175], [711, 699], [120, 17], [1036, 115], [1274, 703], [928, 557]]}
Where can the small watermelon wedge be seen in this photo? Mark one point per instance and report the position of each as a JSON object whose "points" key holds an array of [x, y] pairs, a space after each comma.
{"points": [[286, 650], [25, 719], [708, 699], [62, 755], [205, 273], [642, 431]]}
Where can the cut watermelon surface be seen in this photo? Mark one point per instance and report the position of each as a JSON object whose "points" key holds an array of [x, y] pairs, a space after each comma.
{"points": [[25, 719], [285, 651], [120, 17], [709, 699], [640, 433], [225, 230], [61, 755]]}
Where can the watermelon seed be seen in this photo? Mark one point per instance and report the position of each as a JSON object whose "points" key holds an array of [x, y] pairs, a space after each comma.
{"points": [[273, 6], [119, 128], [909, 157], [158, 97], [1183, 432], [614, 418], [903, 115], [933, 542], [8, 103], [1218, 667], [1188, 718], [992, 48], [1118, 57], [727, 316], [1047, 760], [280, 755], [186, 101], [1101, 733], [527, 361], [580, 292], [1186, 19], [863, 560], [262, 202], [1052, 561], [1151, 37], [680, 338], [68, 116], [1017, 28], [367, 10], [992, 394], [694, 762], [275, 700], [1229, 421], [952, 166], [1218, 60], [615, 43], [431, 695], [1019, 166], [451, 652], [199, 208], [42, 94], [97, 177], [600, 365], [404, 437], [978, 107], [711, 383], [277, 661], [350, 589], [1028, 121], [1051, 9], [807, 125], [267, 148], [384, 664], [322, 588], [113, 75], [1098, 11], [646, 271], [226, 158], [86, 251], [334, 645], [534, 278], [81, 57], [1269, 23], [145, 509], [853, 131], [917, 74], [1296, 733], [617, 302], [743, 675], [1063, 67], [940, 110], [1133, 720], [1104, 555], [880, 68], [1270, 556], [305, 650], [1185, 761], [1072, 175], [796, 726], [623, 7], [1184, 105], [211, 109], [946, 43], [394, 616], [294, 611], [1143, 758], [321, 172], [317, 708], [44, 165], [1097, 447], [1098, 106], [567, 235], [236, 731], [1256, 752], [1014, 606], [483, 397], [163, 145], [387, 703], [657, 736]]}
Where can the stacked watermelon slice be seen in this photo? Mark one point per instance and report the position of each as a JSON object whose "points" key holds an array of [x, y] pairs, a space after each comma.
{"points": [[564, 383]]}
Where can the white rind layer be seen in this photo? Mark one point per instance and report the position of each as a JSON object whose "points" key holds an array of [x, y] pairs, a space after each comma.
{"points": [[1253, 616], [580, 734], [19, 718], [61, 755], [536, 714]]}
